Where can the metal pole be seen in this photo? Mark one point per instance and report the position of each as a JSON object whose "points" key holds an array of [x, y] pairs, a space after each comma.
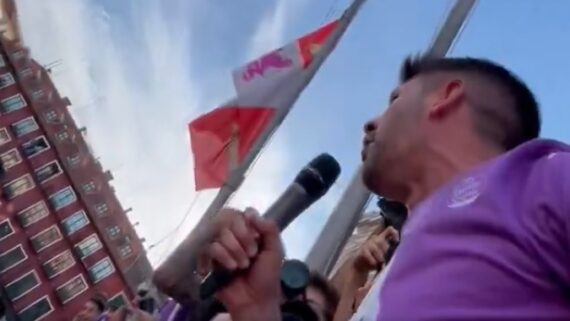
{"points": [[451, 28], [339, 226], [350, 207]]}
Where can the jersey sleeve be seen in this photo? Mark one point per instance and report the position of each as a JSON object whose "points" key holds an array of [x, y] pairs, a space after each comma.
{"points": [[549, 223]]}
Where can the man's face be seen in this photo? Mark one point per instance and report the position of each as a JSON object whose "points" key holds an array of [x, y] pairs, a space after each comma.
{"points": [[392, 137], [90, 312]]}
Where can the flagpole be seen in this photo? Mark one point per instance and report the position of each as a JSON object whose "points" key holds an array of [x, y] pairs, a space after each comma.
{"points": [[350, 207], [237, 176], [174, 276]]}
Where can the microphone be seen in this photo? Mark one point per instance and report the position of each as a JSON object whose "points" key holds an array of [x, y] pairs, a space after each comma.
{"points": [[312, 182]]}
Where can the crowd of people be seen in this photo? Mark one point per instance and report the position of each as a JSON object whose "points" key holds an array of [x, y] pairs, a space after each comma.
{"points": [[321, 301], [487, 235]]}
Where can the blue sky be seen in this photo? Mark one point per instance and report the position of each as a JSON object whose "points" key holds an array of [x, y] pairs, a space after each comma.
{"points": [[138, 70]]}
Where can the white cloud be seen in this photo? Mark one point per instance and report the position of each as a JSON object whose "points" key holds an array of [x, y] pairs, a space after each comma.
{"points": [[136, 95]]}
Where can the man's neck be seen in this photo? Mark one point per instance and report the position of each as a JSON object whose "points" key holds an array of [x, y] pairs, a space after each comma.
{"points": [[438, 165]]}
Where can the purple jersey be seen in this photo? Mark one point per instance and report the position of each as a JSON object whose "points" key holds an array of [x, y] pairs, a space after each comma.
{"points": [[492, 244]]}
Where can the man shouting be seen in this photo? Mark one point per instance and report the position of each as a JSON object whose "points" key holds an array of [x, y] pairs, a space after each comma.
{"points": [[488, 232]]}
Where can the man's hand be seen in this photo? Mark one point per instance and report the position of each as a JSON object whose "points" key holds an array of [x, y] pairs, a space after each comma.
{"points": [[361, 294], [222, 221], [251, 246], [372, 254], [172, 276]]}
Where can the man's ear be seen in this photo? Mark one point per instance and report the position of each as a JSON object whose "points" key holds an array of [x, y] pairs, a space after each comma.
{"points": [[447, 98]]}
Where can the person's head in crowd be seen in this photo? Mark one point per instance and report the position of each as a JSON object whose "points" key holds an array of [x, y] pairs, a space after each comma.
{"points": [[91, 310], [446, 116], [320, 296]]}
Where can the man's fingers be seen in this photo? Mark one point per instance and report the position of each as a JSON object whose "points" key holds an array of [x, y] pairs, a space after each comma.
{"points": [[377, 253], [245, 235], [251, 214], [229, 241], [369, 257], [382, 245], [225, 218], [390, 233], [269, 233], [220, 255]]}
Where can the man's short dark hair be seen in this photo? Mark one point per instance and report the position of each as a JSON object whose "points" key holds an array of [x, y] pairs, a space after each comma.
{"points": [[330, 294], [507, 119]]}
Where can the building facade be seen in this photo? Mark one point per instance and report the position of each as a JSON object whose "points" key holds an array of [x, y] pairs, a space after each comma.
{"points": [[64, 236]]}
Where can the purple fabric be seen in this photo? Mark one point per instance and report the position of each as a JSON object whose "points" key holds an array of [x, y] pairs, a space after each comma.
{"points": [[493, 244], [169, 312]]}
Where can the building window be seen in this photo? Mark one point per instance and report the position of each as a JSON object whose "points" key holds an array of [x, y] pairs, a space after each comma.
{"points": [[51, 116], [4, 136], [75, 222], [48, 171], [125, 250], [118, 300], [35, 146], [45, 238], [12, 103], [88, 246], [6, 229], [21, 286], [26, 72], [71, 289], [113, 231], [38, 94], [18, 186], [59, 264], [32, 214], [89, 187], [101, 209], [10, 158], [62, 198], [19, 54], [24, 126], [6, 80], [101, 270], [62, 136], [36, 311], [12, 257], [74, 160]]}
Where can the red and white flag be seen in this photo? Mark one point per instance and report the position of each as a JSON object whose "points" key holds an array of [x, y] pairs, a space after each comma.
{"points": [[264, 86]]}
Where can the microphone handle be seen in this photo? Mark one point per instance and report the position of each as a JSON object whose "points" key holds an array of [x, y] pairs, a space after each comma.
{"points": [[288, 206], [215, 280]]}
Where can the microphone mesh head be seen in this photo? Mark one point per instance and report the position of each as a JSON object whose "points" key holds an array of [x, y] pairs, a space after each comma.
{"points": [[327, 167], [319, 175]]}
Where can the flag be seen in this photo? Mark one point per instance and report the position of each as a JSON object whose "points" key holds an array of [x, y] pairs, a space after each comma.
{"points": [[222, 138], [285, 64]]}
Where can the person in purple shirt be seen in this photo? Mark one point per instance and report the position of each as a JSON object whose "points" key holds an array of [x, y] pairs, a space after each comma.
{"points": [[488, 231]]}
